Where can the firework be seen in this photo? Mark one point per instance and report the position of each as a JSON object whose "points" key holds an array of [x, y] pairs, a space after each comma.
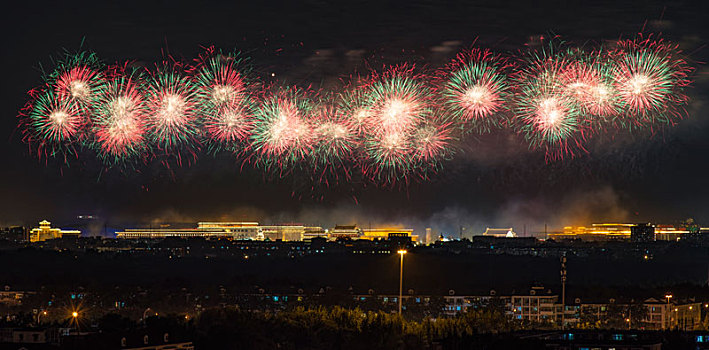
{"points": [[587, 81], [173, 111], [649, 79], [547, 117], [335, 135], [78, 78], [55, 121], [389, 156], [226, 104], [282, 134], [391, 126], [475, 89], [397, 101], [431, 143], [119, 118], [353, 105]]}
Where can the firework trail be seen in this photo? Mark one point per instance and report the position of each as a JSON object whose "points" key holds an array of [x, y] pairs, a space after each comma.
{"points": [[79, 79], [475, 90], [431, 143], [54, 122], [172, 121], [587, 81], [226, 104], [282, 134], [650, 79], [545, 111], [335, 135], [119, 119], [398, 100], [352, 103]]}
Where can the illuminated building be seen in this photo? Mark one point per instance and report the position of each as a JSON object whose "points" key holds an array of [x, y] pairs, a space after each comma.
{"points": [[597, 232], [616, 231], [232, 230], [290, 232], [669, 232], [314, 232], [345, 231], [45, 232], [500, 232], [12, 298], [254, 231], [429, 236], [387, 233]]}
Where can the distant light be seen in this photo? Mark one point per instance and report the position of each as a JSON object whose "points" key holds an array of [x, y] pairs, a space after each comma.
{"points": [[273, 74], [401, 251], [74, 314]]}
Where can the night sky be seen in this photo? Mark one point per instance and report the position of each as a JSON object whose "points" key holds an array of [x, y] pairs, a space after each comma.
{"points": [[496, 181]]}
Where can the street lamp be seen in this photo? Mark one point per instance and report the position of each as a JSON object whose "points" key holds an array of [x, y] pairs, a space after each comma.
{"points": [[39, 315], [74, 314], [668, 296], [401, 276]]}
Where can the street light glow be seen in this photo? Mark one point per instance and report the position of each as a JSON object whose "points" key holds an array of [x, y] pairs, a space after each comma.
{"points": [[401, 276], [74, 314]]}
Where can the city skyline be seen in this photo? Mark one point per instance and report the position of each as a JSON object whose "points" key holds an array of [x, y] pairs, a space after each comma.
{"points": [[495, 180]]}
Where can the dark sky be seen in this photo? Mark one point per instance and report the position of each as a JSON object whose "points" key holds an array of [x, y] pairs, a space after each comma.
{"points": [[496, 181]]}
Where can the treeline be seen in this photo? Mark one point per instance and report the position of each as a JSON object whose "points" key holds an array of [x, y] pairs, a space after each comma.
{"points": [[337, 328]]}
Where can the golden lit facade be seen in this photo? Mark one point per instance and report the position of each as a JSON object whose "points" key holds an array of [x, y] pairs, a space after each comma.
{"points": [[231, 230], [291, 232], [384, 233], [669, 232], [254, 231], [228, 230], [597, 232], [615, 231], [345, 231], [45, 231], [500, 232]]}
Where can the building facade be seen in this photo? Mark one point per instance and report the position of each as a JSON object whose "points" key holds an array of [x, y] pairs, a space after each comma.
{"points": [[45, 231]]}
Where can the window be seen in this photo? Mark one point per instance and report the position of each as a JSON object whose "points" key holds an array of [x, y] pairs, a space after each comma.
{"points": [[617, 337]]}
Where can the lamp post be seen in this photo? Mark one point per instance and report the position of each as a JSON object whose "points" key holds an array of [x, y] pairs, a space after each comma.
{"points": [[401, 276], [39, 315], [668, 296]]}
